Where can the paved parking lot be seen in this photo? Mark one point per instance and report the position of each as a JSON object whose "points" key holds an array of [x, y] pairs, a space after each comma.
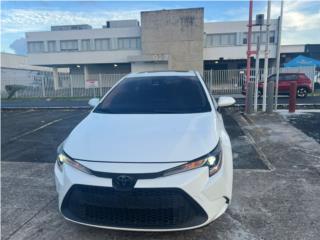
{"points": [[300, 118], [276, 181], [33, 136]]}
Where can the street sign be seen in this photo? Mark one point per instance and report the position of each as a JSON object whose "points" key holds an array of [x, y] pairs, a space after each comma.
{"points": [[91, 83]]}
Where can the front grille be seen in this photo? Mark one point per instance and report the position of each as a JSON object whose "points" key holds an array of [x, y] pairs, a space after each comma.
{"points": [[138, 208]]}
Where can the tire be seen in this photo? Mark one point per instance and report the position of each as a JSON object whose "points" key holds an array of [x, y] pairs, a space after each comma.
{"points": [[302, 92]]}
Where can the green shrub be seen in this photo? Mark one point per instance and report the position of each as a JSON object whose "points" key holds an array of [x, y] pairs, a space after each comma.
{"points": [[12, 89]]}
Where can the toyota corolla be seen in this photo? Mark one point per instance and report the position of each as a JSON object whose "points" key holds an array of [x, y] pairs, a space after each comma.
{"points": [[152, 155]]}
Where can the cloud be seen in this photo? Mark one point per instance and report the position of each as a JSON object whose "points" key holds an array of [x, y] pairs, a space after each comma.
{"points": [[301, 23], [19, 46], [24, 20], [300, 20]]}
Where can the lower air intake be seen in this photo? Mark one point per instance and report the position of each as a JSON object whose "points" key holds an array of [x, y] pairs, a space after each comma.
{"points": [[157, 208]]}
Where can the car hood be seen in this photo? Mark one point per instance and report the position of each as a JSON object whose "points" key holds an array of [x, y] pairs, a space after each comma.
{"points": [[145, 138]]}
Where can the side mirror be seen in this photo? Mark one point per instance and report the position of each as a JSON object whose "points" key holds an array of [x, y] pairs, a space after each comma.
{"points": [[93, 102], [226, 101]]}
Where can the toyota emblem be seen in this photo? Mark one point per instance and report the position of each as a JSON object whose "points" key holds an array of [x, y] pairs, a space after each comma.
{"points": [[123, 182]]}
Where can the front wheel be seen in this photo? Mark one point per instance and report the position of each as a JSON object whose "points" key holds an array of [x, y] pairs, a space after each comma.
{"points": [[302, 92]]}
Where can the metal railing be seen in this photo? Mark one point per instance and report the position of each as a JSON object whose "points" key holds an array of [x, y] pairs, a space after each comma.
{"points": [[74, 85], [69, 85], [231, 81]]}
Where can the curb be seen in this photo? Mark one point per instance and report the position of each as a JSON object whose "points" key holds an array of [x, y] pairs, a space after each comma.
{"points": [[285, 106]]}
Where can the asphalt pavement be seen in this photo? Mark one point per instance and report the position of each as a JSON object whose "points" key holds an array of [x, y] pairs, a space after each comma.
{"points": [[307, 121], [275, 189], [28, 103], [34, 135]]}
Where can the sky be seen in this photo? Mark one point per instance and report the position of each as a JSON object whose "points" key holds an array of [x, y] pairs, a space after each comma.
{"points": [[301, 18]]}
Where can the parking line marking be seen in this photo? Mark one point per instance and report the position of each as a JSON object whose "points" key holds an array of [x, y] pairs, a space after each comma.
{"points": [[34, 130], [14, 114]]}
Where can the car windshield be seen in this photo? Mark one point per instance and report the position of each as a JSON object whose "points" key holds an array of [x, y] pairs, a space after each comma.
{"points": [[165, 94]]}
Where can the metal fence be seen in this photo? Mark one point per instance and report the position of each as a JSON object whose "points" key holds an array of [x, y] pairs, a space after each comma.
{"points": [[69, 85], [231, 81], [74, 85]]}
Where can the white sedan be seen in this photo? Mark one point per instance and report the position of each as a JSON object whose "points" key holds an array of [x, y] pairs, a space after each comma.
{"points": [[152, 155]]}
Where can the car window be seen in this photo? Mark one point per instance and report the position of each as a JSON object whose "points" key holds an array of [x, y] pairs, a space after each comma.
{"points": [[272, 78], [283, 77], [166, 94], [290, 77]]}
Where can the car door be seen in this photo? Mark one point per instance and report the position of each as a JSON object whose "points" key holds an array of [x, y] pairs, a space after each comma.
{"points": [[284, 84], [281, 83]]}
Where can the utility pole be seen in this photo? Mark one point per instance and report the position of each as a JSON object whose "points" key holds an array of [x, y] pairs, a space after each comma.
{"points": [[260, 23], [266, 58], [249, 52], [278, 55], [257, 72]]}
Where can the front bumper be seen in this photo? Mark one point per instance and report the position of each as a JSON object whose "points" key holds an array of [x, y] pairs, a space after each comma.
{"points": [[146, 208], [178, 202]]}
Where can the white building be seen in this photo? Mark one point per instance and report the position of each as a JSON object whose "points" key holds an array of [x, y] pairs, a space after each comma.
{"points": [[226, 43], [79, 48], [167, 39], [16, 70]]}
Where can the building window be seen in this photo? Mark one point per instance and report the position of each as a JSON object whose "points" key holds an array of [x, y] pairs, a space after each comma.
{"points": [[272, 35], [102, 44], [255, 36], [245, 40], [52, 46], [35, 47], [271, 39], [85, 45], [68, 45], [129, 43], [221, 39]]}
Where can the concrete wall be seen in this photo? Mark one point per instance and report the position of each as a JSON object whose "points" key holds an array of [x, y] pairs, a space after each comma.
{"points": [[17, 76], [177, 33], [299, 48], [14, 61]]}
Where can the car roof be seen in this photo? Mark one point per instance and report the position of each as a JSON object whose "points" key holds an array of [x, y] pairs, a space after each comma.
{"points": [[287, 73], [162, 73]]}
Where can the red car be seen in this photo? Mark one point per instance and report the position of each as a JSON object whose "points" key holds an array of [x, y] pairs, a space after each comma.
{"points": [[304, 84]]}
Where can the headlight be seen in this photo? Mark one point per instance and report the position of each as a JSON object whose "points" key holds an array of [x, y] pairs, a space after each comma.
{"points": [[212, 160], [63, 158]]}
